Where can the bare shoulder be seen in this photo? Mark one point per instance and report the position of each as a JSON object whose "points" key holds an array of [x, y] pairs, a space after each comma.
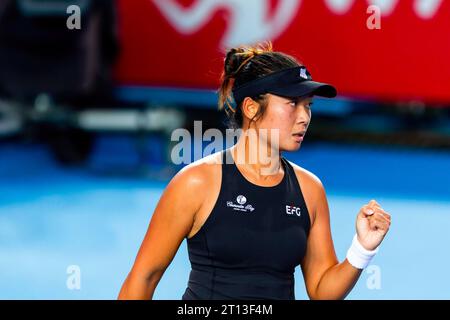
{"points": [[306, 176], [195, 177], [197, 186], [312, 188], [198, 171]]}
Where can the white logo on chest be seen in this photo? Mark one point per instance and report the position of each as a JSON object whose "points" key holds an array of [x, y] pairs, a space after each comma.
{"points": [[290, 210], [241, 200]]}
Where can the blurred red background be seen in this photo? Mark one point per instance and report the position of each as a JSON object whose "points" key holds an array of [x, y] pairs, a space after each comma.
{"points": [[407, 59]]}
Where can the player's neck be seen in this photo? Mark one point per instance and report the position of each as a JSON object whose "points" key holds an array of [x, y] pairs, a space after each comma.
{"points": [[258, 160]]}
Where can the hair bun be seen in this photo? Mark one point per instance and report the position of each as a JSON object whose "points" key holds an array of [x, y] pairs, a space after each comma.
{"points": [[237, 58]]}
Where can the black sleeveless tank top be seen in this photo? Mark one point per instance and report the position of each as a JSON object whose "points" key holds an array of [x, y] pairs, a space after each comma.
{"points": [[251, 242]]}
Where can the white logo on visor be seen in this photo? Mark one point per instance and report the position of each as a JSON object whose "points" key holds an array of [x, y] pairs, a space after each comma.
{"points": [[303, 73]]}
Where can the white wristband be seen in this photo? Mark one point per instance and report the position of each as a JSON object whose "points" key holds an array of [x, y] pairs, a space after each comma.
{"points": [[358, 256]]}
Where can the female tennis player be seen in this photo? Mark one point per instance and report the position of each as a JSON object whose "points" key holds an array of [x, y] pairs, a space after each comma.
{"points": [[247, 230]]}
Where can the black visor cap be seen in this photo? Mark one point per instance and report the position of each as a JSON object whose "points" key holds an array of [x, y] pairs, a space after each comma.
{"points": [[305, 88], [292, 82]]}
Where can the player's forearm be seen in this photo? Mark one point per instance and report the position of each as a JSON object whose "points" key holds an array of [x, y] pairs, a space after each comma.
{"points": [[138, 288], [337, 282]]}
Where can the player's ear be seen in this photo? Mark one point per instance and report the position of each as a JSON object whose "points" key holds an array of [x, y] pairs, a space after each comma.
{"points": [[250, 108]]}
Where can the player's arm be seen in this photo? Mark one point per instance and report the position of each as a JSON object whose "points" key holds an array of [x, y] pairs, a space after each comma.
{"points": [[325, 277], [171, 222]]}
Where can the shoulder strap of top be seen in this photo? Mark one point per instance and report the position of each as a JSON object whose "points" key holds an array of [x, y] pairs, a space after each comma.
{"points": [[290, 174]]}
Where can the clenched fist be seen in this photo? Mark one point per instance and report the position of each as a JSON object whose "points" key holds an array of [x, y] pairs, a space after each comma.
{"points": [[372, 224]]}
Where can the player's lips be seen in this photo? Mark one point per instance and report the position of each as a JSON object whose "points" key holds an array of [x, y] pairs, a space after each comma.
{"points": [[298, 136]]}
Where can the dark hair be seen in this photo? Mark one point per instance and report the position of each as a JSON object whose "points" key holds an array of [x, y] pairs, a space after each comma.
{"points": [[246, 63]]}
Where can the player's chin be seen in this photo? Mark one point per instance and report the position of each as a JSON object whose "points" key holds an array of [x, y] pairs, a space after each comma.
{"points": [[292, 146]]}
